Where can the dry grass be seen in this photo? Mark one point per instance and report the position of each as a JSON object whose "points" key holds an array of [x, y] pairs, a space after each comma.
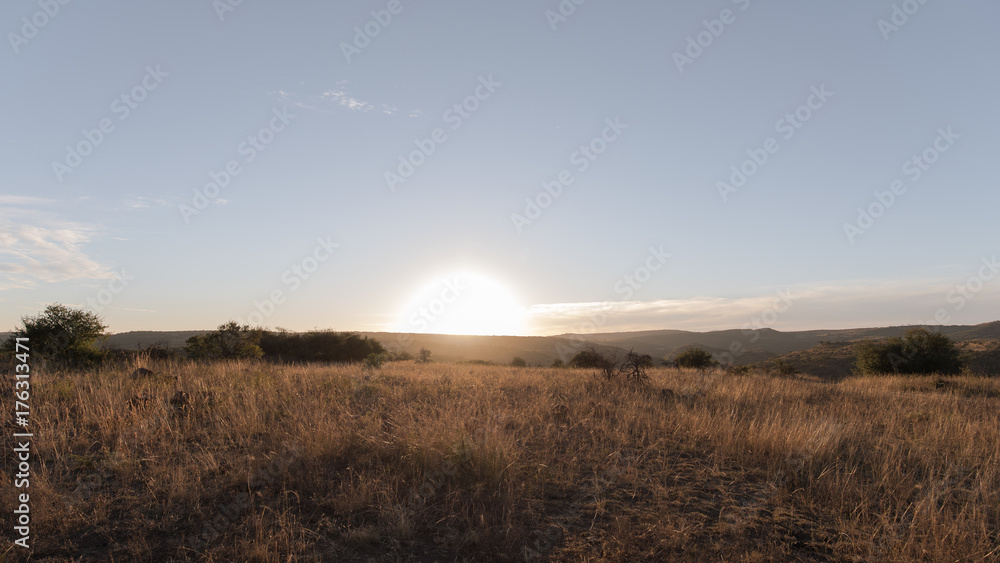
{"points": [[482, 463]]}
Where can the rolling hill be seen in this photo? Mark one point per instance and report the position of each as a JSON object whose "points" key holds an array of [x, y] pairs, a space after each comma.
{"points": [[824, 353]]}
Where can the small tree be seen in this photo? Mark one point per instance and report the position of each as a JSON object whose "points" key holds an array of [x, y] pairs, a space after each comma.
{"points": [[424, 356], [633, 367], [558, 363], [375, 360], [695, 358], [63, 335], [401, 356], [229, 342], [518, 362], [919, 351], [590, 359]]}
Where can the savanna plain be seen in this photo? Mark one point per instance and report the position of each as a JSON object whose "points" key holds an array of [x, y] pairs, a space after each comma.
{"points": [[266, 462]]}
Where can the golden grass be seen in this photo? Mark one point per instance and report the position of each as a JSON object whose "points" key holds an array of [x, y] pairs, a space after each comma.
{"points": [[483, 463]]}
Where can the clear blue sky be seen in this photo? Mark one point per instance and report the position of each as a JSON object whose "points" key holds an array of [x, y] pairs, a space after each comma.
{"points": [[329, 113]]}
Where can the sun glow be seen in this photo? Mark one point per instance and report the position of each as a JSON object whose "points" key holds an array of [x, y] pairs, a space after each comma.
{"points": [[464, 303]]}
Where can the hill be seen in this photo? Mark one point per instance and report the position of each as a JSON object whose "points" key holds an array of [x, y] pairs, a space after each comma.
{"points": [[662, 343], [824, 353]]}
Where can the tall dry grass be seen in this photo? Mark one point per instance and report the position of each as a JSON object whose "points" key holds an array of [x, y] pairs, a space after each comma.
{"points": [[454, 462]]}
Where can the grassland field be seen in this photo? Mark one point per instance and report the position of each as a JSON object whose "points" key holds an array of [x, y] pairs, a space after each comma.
{"points": [[450, 462]]}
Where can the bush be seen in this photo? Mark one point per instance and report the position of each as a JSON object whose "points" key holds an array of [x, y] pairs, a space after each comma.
{"points": [[633, 367], [401, 356], [518, 362], [590, 359], [558, 363], [62, 335], [919, 351], [424, 356], [231, 341], [478, 363], [375, 360], [319, 346], [695, 358], [738, 370], [784, 368]]}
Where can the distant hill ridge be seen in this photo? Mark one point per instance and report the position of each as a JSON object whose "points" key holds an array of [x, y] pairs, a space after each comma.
{"points": [[813, 349]]}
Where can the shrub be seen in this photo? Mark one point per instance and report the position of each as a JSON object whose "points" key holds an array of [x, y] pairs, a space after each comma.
{"points": [[919, 351], [401, 356], [424, 356], [558, 363], [738, 370], [62, 335], [633, 367], [591, 359], [784, 368], [375, 360], [229, 342], [695, 358], [319, 346], [518, 362]]}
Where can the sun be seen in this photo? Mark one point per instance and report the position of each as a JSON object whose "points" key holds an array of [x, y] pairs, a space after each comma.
{"points": [[463, 303]]}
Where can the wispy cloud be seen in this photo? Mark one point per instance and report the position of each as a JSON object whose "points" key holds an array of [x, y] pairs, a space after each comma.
{"points": [[35, 248], [827, 305], [24, 200], [334, 99]]}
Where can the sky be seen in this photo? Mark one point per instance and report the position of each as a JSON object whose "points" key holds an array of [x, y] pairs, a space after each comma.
{"points": [[519, 167]]}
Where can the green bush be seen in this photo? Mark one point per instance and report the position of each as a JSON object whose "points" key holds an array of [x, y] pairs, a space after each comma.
{"points": [[230, 341], [375, 360], [66, 336], [919, 351], [695, 358]]}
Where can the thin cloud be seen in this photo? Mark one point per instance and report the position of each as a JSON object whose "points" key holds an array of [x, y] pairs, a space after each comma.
{"points": [[34, 248], [31, 253], [334, 99], [24, 200], [842, 305]]}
